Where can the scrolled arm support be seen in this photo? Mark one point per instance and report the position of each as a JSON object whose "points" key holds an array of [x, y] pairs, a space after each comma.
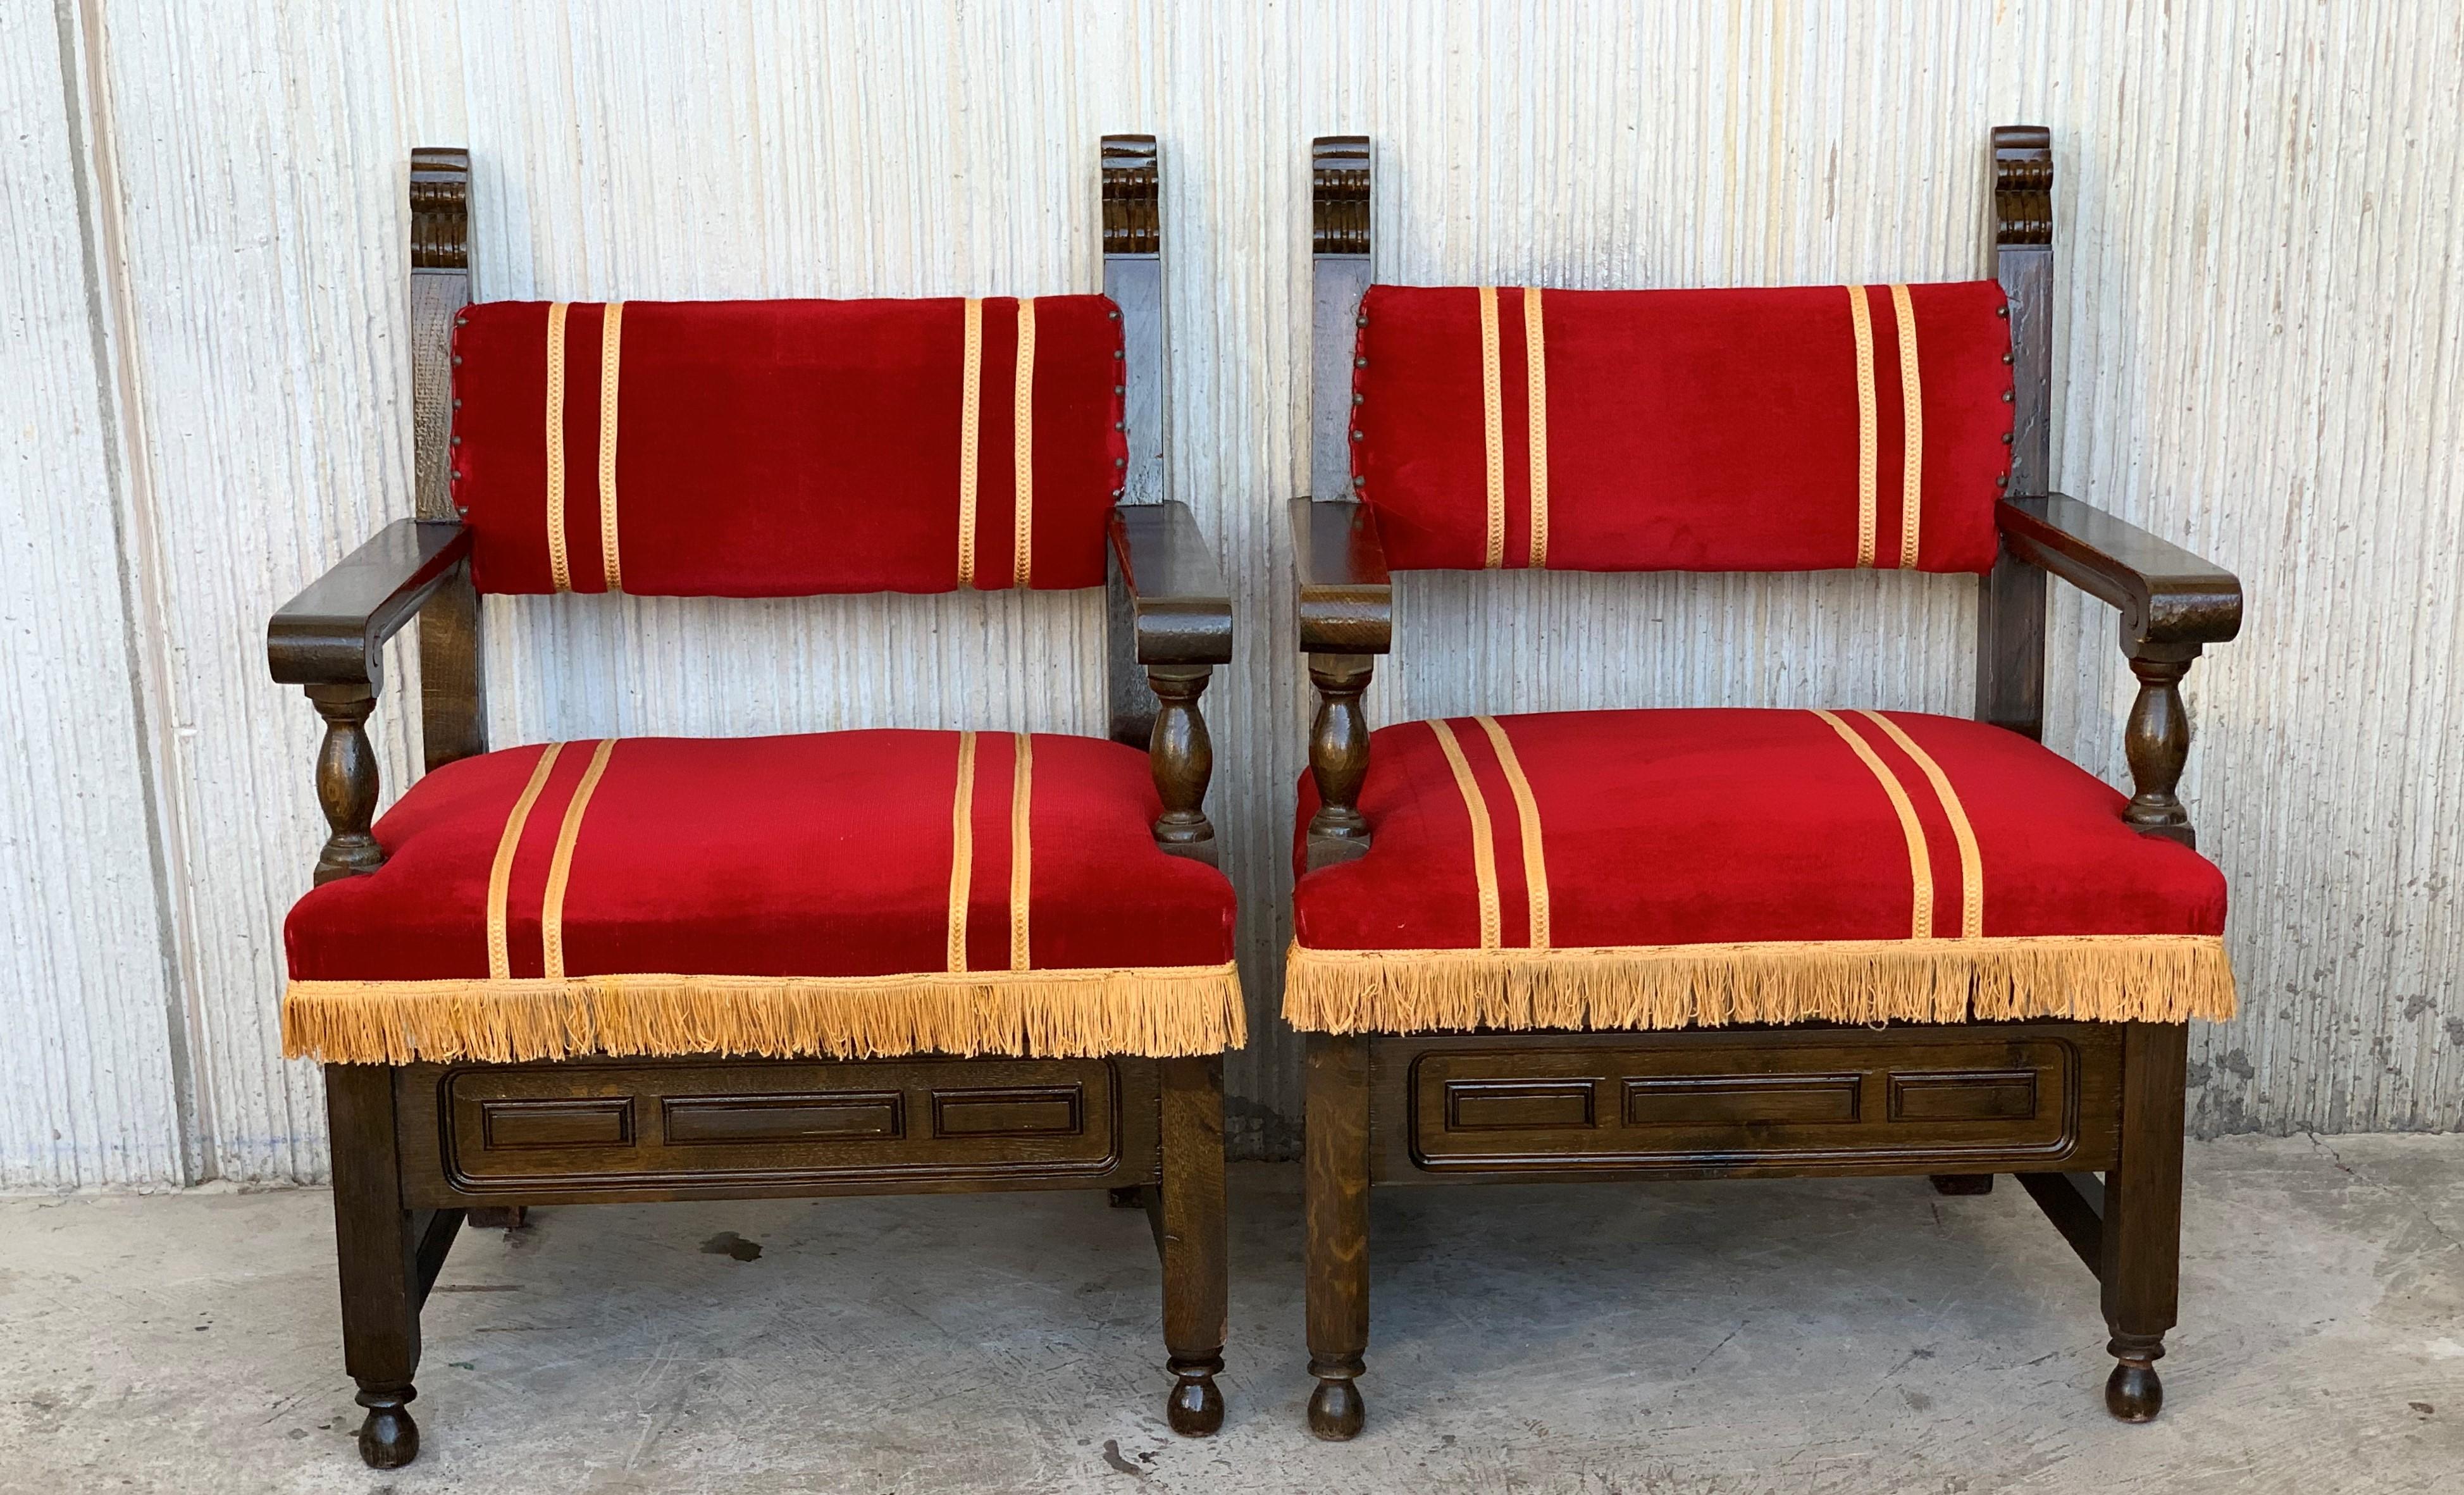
{"points": [[2172, 604]]}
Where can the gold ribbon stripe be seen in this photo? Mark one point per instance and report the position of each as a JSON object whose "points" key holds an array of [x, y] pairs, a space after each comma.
{"points": [[1920, 862], [560, 867], [1023, 422], [1536, 364], [962, 849], [1912, 407], [1972, 862], [1484, 839], [1022, 879], [500, 873], [970, 419], [612, 339], [1494, 431], [559, 574], [1860, 321], [1526, 814]]}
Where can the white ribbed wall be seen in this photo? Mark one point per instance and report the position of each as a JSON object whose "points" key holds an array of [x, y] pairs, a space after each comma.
{"points": [[2259, 352]]}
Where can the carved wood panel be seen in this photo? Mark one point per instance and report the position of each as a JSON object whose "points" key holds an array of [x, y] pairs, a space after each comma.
{"points": [[1978, 1098], [668, 1128]]}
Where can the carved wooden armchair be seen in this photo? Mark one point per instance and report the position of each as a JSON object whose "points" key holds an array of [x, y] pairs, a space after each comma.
{"points": [[1720, 943], [842, 963]]}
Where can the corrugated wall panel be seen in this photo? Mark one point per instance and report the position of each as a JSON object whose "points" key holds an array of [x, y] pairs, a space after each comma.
{"points": [[89, 1093], [2258, 355]]}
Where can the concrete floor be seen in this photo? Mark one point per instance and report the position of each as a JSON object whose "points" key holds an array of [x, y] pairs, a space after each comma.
{"points": [[1807, 1337]]}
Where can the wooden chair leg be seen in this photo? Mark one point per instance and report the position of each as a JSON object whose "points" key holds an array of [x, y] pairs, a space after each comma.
{"points": [[1192, 1235], [2143, 1217], [377, 1250], [1336, 1203]]}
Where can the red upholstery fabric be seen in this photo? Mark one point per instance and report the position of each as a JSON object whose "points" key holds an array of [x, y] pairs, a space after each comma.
{"points": [[1689, 430], [770, 449], [789, 856], [1677, 827]]}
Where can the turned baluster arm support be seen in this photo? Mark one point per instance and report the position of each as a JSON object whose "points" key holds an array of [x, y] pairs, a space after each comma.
{"points": [[2172, 604], [1347, 617], [1177, 612], [330, 640]]}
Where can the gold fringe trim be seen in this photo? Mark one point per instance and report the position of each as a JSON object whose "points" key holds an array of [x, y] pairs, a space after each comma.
{"points": [[1156, 1011], [2086, 977]]}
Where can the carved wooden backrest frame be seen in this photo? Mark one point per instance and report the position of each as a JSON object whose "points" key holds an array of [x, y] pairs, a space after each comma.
{"points": [[451, 696]]}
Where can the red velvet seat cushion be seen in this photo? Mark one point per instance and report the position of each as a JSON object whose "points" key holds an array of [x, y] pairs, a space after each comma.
{"points": [[1636, 835], [773, 449], [1690, 430], [699, 865]]}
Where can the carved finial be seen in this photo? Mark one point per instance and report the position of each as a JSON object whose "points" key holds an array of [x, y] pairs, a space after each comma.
{"points": [[1132, 196], [2023, 185], [1339, 194], [440, 207]]}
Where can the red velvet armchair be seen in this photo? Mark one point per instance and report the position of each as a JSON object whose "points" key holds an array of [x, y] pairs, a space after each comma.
{"points": [[840, 963], [1718, 942]]}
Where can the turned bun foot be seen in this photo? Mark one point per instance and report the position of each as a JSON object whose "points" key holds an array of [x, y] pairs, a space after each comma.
{"points": [[1194, 1407], [388, 1439], [1335, 1410], [2133, 1393]]}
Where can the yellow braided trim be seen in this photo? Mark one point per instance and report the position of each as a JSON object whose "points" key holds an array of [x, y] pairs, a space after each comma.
{"points": [[1154, 1011], [2084, 977]]}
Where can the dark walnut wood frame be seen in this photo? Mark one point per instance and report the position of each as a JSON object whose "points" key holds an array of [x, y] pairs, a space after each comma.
{"points": [[2056, 1102], [419, 1148]]}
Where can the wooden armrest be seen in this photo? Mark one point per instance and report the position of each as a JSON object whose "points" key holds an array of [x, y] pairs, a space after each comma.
{"points": [[1182, 610], [2168, 596], [333, 633], [1347, 600]]}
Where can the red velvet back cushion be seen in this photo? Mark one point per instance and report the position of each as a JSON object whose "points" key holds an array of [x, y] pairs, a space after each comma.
{"points": [[1685, 430], [782, 449]]}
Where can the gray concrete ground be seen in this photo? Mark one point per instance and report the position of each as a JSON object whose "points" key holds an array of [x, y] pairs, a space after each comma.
{"points": [[1807, 1336]]}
